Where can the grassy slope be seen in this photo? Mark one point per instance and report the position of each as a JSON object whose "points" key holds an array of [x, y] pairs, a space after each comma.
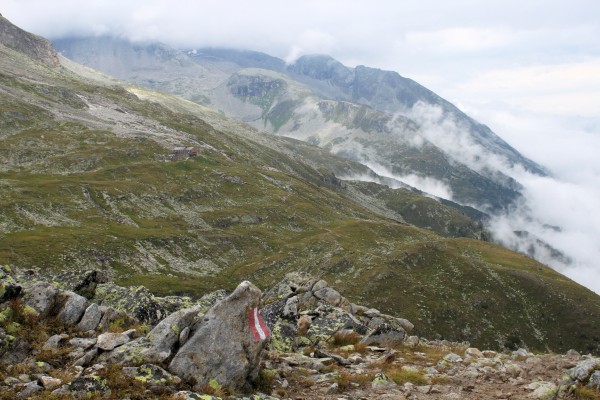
{"points": [[243, 210]]}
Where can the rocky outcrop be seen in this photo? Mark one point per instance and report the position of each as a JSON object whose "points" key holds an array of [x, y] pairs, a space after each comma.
{"points": [[36, 47], [324, 347], [303, 311], [223, 346]]}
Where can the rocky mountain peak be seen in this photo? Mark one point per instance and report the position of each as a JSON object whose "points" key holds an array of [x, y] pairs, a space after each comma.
{"points": [[36, 47], [322, 67]]}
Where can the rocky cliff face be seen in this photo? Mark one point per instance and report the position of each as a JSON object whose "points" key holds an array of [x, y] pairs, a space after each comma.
{"points": [[34, 46]]}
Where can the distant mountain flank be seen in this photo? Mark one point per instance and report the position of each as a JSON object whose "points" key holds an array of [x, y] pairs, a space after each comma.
{"points": [[375, 117]]}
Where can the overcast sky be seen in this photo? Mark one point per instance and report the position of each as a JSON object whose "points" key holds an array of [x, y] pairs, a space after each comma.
{"points": [[528, 69]]}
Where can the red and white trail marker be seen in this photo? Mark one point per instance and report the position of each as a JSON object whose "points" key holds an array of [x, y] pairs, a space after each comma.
{"points": [[259, 329]]}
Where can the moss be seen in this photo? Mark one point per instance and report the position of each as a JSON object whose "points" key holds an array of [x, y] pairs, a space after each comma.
{"points": [[280, 342], [30, 311]]}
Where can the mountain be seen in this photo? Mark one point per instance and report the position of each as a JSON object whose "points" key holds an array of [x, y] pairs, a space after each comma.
{"points": [[34, 46], [375, 117], [89, 180]]}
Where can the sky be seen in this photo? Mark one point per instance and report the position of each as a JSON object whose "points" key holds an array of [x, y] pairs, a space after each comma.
{"points": [[528, 69]]}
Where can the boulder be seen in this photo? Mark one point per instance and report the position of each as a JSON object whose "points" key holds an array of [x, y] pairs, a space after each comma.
{"points": [[73, 307], [594, 381], [473, 353], [381, 381], [582, 371], [328, 295], [226, 345], [386, 335], [110, 315], [55, 341], [40, 298], [159, 344], [136, 301], [91, 318], [108, 341]]}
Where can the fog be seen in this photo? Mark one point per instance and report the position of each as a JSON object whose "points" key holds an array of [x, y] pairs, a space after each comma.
{"points": [[561, 210]]}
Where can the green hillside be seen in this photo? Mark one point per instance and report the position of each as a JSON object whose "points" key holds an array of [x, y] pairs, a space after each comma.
{"points": [[85, 183]]}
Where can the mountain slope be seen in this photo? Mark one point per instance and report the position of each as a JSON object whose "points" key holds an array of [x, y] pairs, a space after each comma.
{"points": [[85, 184], [378, 118]]}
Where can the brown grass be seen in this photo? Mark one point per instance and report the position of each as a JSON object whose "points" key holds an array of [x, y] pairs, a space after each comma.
{"points": [[586, 393], [401, 376], [346, 379], [345, 338]]}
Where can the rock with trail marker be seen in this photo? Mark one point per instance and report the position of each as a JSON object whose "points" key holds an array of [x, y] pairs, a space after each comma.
{"points": [[226, 345]]}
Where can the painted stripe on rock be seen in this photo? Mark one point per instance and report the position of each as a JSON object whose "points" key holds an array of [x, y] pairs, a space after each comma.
{"points": [[258, 327]]}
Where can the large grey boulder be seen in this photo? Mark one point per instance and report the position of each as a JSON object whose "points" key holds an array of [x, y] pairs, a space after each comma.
{"points": [[223, 346], [73, 307]]}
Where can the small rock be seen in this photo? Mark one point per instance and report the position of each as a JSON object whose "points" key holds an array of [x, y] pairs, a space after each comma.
{"points": [[405, 324], [91, 318], [333, 388], [489, 353], [545, 391], [356, 359], [412, 341], [88, 384], [573, 353], [86, 358], [151, 374], [11, 381], [83, 343], [328, 295], [473, 353], [424, 389], [184, 335], [452, 396], [595, 380], [130, 333], [381, 381], [29, 389], [54, 341], [520, 353], [187, 395], [338, 359], [372, 313], [452, 358], [108, 341], [49, 382]]}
